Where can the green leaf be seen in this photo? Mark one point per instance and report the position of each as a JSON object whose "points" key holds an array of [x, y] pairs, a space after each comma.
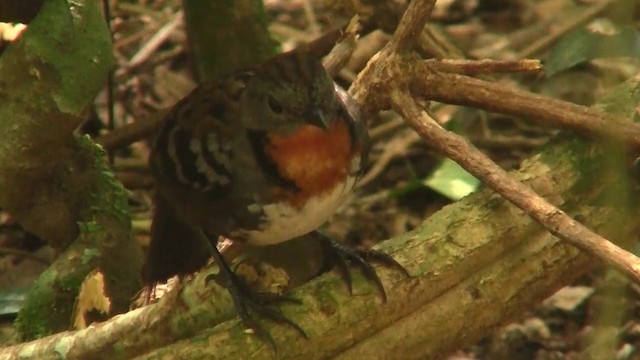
{"points": [[451, 180], [582, 45]]}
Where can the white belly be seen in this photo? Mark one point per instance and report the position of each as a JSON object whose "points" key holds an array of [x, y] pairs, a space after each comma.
{"points": [[284, 222]]}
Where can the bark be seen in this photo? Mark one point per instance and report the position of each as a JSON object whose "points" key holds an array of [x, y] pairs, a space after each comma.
{"points": [[54, 183], [475, 264]]}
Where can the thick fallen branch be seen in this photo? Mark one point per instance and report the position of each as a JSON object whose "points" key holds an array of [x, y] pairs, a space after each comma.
{"points": [[394, 76], [476, 264], [551, 217]]}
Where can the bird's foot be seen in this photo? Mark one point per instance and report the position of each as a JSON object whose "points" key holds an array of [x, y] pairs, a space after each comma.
{"points": [[248, 301], [340, 255]]}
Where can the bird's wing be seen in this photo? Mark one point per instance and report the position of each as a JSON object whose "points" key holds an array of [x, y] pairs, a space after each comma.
{"points": [[193, 148]]}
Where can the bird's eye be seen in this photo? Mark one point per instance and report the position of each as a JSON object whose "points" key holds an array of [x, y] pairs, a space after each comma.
{"points": [[274, 105]]}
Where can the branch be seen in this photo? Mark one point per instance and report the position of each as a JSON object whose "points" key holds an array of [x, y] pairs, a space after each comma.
{"points": [[130, 133], [475, 264], [480, 165], [462, 90], [411, 25], [564, 25], [462, 285], [392, 75], [478, 67]]}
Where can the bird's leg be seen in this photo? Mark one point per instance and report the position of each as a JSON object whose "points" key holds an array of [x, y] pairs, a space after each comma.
{"points": [[246, 299], [340, 255]]}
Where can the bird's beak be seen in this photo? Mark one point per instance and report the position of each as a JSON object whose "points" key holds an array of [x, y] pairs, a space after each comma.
{"points": [[317, 118]]}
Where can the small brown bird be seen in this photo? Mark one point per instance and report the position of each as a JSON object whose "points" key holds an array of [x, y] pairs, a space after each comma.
{"points": [[260, 157]]}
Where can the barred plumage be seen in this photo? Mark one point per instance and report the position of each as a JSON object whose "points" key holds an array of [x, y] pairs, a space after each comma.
{"points": [[261, 157]]}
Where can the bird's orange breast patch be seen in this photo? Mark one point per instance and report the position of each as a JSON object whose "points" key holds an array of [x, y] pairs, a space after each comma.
{"points": [[314, 159]]}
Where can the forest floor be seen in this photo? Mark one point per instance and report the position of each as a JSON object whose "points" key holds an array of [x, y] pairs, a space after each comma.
{"points": [[405, 182]]}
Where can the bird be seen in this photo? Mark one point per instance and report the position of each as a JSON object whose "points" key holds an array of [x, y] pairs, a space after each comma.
{"points": [[258, 156]]}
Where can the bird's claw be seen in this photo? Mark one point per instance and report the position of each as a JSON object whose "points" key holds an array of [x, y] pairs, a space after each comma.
{"points": [[339, 255], [246, 300]]}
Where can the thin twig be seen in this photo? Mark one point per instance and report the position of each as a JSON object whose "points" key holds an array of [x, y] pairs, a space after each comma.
{"points": [[24, 254], [130, 133], [392, 149], [156, 40], [411, 25], [487, 66], [383, 129], [310, 14], [128, 40], [502, 142], [342, 50], [392, 76], [473, 160], [111, 124], [467, 91], [564, 26], [435, 43]]}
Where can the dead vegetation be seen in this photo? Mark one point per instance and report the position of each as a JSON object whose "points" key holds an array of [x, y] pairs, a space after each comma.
{"points": [[477, 263]]}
